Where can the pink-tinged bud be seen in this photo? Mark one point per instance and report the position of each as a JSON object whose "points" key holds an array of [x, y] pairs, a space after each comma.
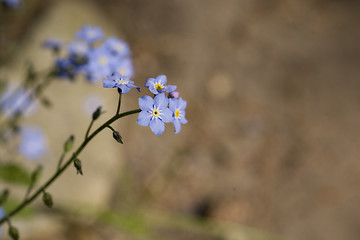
{"points": [[174, 94]]}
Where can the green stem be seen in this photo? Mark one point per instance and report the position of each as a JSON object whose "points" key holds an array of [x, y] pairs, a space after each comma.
{"points": [[118, 107], [66, 165], [61, 160], [88, 130]]}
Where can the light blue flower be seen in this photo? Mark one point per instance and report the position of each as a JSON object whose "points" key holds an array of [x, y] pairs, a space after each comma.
{"points": [[11, 3], [124, 67], [122, 82], [90, 34], [157, 85], [15, 101], [100, 64], [2, 214], [117, 47], [33, 143], [177, 107], [155, 112], [78, 49]]}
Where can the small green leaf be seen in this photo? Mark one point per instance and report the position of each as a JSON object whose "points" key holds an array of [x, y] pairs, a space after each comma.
{"points": [[4, 196], [14, 173]]}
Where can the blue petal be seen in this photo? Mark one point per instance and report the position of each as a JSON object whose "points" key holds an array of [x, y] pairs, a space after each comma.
{"points": [[183, 120], [170, 88], [182, 103], [157, 126], [149, 82], [162, 79], [146, 103], [144, 118], [166, 115], [161, 100], [124, 88], [177, 126], [108, 83], [173, 104]]}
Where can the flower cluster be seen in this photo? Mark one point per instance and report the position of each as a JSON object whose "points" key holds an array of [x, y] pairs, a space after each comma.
{"points": [[157, 111], [92, 55]]}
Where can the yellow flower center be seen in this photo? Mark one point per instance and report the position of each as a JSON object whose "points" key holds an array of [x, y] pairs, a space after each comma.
{"points": [[158, 86], [121, 81], [103, 60], [177, 113], [156, 113]]}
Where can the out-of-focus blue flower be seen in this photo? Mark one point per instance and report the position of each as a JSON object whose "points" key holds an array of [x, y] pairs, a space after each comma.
{"points": [[65, 68], [78, 49], [11, 3], [33, 143], [177, 107], [90, 34], [53, 44], [2, 214], [154, 112], [117, 47], [15, 101], [157, 85], [124, 67], [100, 64], [122, 82]]}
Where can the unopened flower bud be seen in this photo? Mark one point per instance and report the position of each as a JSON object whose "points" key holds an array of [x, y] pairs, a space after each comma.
{"points": [[4, 196], [14, 233], [174, 94], [69, 143], [77, 165], [47, 199], [36, 174], [117, 137], [97, 113]]}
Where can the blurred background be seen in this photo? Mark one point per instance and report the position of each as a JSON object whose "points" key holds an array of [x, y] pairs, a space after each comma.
{"points": [[271, 149]]}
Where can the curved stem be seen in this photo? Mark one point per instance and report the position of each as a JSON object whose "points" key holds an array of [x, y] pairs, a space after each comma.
{"points": [[118, 107], [66, 165]]}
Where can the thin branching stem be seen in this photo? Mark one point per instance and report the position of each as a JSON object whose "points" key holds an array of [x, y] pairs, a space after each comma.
{"points": [[65, 166]]}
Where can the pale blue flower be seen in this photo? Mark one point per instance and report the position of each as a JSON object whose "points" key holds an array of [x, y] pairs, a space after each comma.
{"points": [[117, 46], [2, 214], [154, 112], [158, 85], [177, 107], [124, 67], [90, 34], [100, 64], [119, 81], [33, 143], [11, 3]]}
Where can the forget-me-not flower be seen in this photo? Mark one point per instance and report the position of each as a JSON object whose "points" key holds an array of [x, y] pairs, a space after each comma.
{"points": [[117, 47], [120, 81], [100, 64], [177, 107], [124, 67], [154, 112], [158, 85], [15, 101], [53, 44], [11, 3], [2, 214], [90, 34], [33, 143]]}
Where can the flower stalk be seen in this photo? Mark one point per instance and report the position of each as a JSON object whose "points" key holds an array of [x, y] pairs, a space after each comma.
{"points": [[42, 189]]}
